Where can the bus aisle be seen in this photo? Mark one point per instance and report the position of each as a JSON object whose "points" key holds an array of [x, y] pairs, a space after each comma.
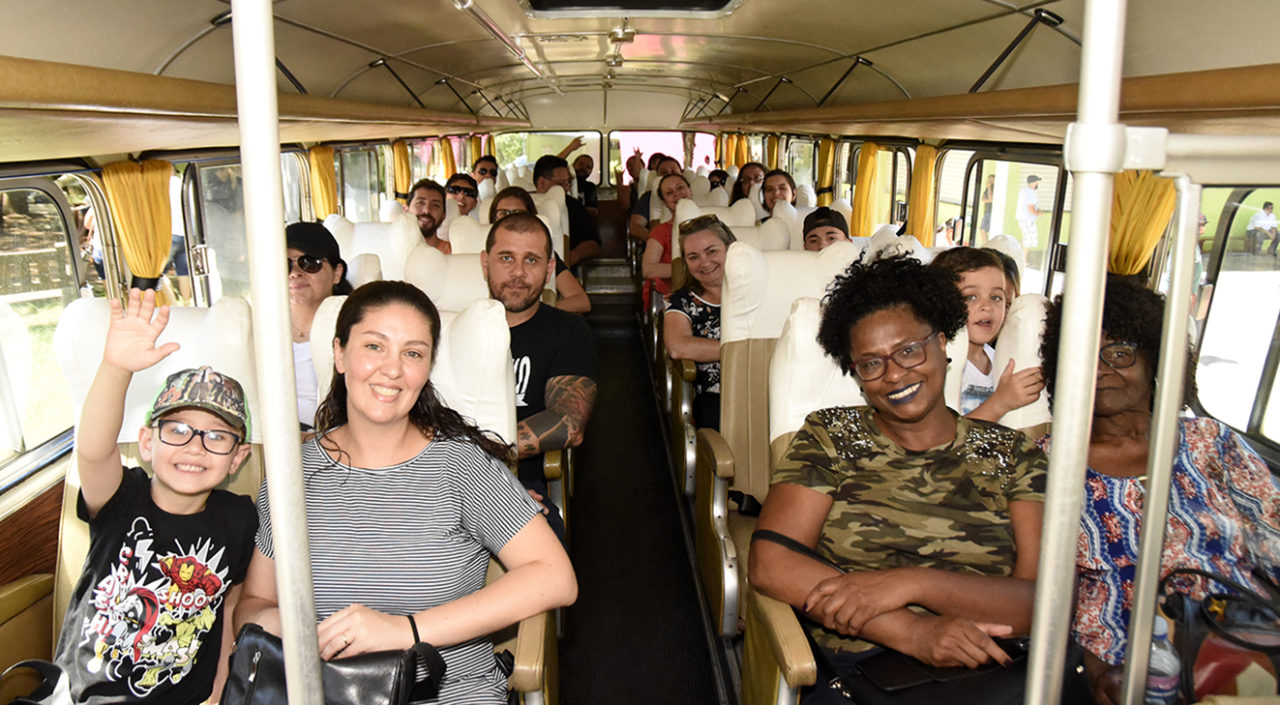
{"points": [[638, 633]]}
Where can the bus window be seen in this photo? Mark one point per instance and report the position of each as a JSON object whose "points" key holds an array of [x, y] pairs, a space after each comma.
{"points": [[1241, 322], [40, 266], [421, 154], [291, 173], [802, 160], [844, 170], [671, 143], [755, 148], [950, 188], [999, 200], [893, 184], [522, 149], [360, 173]]}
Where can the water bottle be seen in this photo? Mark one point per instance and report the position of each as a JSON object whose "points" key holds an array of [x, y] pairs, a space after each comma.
{"points": [[1164, 672]]}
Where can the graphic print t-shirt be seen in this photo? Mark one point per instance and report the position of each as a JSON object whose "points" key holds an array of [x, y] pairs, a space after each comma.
{"points": [[145, 621], [553, 343]]}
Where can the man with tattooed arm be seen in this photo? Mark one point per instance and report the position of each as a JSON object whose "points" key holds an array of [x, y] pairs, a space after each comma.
{"points": [[553, 351]]}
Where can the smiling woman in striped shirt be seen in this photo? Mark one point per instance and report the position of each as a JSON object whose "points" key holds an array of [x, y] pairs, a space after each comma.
{"points": [[406, 502]]}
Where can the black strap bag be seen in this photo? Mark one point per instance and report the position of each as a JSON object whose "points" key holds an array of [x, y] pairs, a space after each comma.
{"points": [[381, 678], [54, 687]]}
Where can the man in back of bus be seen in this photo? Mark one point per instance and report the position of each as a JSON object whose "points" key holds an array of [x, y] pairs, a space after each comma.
{"points": [[552, 350], [584, 241], [426, 203]]}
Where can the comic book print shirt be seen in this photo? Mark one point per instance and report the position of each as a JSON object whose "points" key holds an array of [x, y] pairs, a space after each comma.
{"points": [[946, 507], [145, 621]]}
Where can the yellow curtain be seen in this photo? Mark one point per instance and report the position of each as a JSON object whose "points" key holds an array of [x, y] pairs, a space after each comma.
{"points": [[487, 146], [826, 171], [728, 150], [324, 182], [744, 151], [920, 201], [863, 219], [403, 170], [446, 157], [477, 147], [138, 196], [1140, 211], [771, 143]]}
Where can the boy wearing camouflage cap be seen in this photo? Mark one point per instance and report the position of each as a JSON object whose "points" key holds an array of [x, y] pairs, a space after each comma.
{"points": [[149, 620]]}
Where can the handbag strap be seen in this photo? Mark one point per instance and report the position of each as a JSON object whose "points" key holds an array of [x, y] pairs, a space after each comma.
{"points": [[426, 656], [790, 543], [1244, 594]]}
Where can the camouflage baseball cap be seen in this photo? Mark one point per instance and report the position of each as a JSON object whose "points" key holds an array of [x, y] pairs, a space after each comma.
{"points": [[203, 388]]}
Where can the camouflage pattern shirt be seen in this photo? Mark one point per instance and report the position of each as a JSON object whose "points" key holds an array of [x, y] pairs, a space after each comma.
{"points": [[946, 507]]}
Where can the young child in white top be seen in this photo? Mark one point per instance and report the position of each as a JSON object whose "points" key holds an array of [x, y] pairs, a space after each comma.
{"points": [[981, 277]]}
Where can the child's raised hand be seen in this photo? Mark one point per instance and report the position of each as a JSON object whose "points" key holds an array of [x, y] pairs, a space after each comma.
{"points": [[131, 335], [1017, 389]]}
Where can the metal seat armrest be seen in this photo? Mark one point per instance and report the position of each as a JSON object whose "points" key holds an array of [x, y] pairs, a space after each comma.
{"points": [[687, 370], [553, 465], [787, 640], [714, 453]]}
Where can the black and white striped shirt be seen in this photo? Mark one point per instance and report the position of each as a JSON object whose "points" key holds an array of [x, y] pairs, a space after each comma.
{"points": [[409, 537]]}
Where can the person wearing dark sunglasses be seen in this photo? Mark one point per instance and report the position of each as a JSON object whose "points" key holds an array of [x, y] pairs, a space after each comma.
{"points": [[316, 272], [464, 190], [485, 167]]}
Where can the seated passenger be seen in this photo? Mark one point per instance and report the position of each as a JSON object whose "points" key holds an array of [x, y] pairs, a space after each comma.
{"points": [[553, 351], [980, 275], [463, 189], [749, 175], [656, 266], [571, 296], [691, 324], [640, 223], [155, 540], [316, 272], [406, 501], [718, 178], [1224, 506], [485, 167], [822, 227], [426, 203], [933, 517], [778, 186], [582, 168], [584, 238]]}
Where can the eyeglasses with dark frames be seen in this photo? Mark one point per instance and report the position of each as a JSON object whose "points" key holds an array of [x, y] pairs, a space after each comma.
{"points": [[455, 189], [504, 212], [908, 355], [486, 171], [306, 263], [178, 433]]}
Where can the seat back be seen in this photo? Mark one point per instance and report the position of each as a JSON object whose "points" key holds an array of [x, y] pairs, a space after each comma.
{"points": [[391, 241], [1009, 245], [79, 338], [453, 282], [740, 213], [472, 371], [551, 204], [806, 197], [363, 268], [1020, 341], [390, 210], [759, 289], [769, 236], [794, 217]]}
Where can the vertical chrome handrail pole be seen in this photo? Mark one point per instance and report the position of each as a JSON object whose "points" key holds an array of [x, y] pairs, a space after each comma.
{"points": [[1094, 152], [1164, 438], [254, 40]]}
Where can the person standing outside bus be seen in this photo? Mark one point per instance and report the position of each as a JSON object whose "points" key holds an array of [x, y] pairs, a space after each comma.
{"points": [[1261, 226], [1028, 212]]}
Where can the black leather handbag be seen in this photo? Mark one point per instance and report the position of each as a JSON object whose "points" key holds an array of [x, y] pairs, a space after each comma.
{"points": [[53, 689], [382, 678]]}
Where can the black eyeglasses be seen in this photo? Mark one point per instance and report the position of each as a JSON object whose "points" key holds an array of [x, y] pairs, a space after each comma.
{"points": [[306, 263], [177, 433], [1118, 356], [486, 171], [907, 355], [456, 189], [501, 213], [751, 179]]}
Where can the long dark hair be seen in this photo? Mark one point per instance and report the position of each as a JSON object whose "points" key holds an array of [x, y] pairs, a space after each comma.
{"points": [[429, 414]]}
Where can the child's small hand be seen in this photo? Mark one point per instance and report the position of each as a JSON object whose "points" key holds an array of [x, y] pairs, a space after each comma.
{"points": [[1017, 389], [131, 335]]}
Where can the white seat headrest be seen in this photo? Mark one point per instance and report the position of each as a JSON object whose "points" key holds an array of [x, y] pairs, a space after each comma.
{"points": [[1019, 341], [759, 286], [733, 171], [845, 209], [451, 209], [342, 230], [702, 171], [503, 180], [802, 379], [391, 241], [390, 210], [453, 282], [806, 197], [958, 352], [468, 236], [699, 185], [363, 268], [472, 371], [483, 208], [754, 197], [768, 236], [1009, 245], [486, 189], [717, 197], [884, 239], [740, 213], [82, 331]]}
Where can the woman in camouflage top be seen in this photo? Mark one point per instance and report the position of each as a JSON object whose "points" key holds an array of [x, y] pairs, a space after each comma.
{"points": [[934, 517]]}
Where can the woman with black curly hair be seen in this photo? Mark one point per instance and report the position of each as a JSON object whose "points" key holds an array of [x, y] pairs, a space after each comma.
{"points": [[1224, 506], [917, 505]]}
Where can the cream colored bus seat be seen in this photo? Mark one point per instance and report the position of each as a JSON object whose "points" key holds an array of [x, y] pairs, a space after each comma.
{"points": [[15, 371], [450, 210], [844, 208], [78, 339], [1020, 341], [880, 238], [794, 218], [486, 190], [1009, 245], [699, 184], [769, 236], [363, 268], [740, 213], [754, 196], [390, 210], [25, 605], [391, 242], [759, 289], [802, 379], [503, 178], [551, 205], [535, 675], [467, 236], [482, 208], [806, 197]]}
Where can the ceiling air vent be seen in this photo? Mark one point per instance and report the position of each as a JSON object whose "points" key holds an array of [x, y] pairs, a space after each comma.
{"points": [[702, 9]]}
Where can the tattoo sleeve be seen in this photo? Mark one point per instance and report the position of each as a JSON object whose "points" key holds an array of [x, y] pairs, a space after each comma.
{"points": [[569, 402]]}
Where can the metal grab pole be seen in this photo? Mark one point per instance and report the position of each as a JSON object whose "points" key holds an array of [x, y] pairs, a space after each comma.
{"points": [[254, 43], [1094, 152], [1164, 437]]}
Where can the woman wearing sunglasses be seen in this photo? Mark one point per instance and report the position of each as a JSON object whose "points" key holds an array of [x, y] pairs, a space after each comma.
{"points": [[1224, 505], [463, 189], [316, 272], [918, 505]]}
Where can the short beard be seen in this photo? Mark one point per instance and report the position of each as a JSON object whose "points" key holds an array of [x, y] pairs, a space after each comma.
{"points": [[520, 305]]}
